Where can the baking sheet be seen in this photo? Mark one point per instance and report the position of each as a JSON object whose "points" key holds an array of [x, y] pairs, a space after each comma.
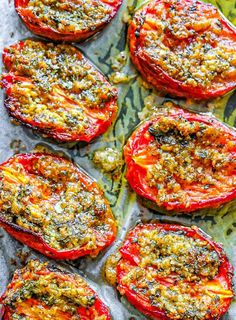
{"points": [[135, 99]]}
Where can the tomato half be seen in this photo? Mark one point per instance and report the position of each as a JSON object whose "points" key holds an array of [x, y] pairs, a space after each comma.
{"points": [[173, 272], [182, 161], [49, 204], [54, 89], [42, 291], [185, 48], [66, 20]]}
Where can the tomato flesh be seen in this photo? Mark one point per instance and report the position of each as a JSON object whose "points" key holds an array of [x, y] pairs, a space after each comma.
{"points": [[72, 297], [50, 205], [54, 89], [182, 161], [66, 20], [174, 272], [185, 48]]}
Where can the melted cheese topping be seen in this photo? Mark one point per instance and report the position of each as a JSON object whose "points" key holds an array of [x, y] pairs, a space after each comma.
{"points": [[187, 158], [71, 16], [175, 273], [51, 200], [54, 295], [185, 40], [60, 89]]}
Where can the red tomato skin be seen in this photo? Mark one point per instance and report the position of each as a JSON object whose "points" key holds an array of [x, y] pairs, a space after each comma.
{"points": [[160, 79], [40, 29], [98, 306], [135, 174], [36, 241], [129, 253], [61, 135]]}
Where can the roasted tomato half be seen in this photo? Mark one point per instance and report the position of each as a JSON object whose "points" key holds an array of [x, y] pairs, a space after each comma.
{"points": [[66, 20], [57, 91], [171, 272], [186, 48], [182, 161], [41, 291], [47, 203]]}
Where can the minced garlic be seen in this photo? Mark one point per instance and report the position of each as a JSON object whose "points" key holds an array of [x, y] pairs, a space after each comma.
{"points": [[59, 88], [51, 200], [58, 295], [184, 41], [71, 16], [190, 155], [173, 273]]}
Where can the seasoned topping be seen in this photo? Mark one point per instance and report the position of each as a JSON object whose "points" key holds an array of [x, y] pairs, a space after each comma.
{"points": [[66, 20], [187, 153], [54, 88], [51, 197], [110, 268], [110, 160], [172, 272], [45, 293], [56, 289], [179, 301], [71, 16], [184, 47], [184, 160], [170, 252], [61, 67], [202, 55]]}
